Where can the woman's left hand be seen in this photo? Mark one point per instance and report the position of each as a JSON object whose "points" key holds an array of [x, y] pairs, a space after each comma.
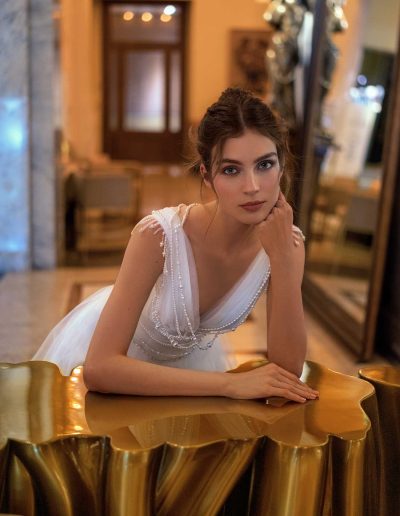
{"points": [[276, 231]]}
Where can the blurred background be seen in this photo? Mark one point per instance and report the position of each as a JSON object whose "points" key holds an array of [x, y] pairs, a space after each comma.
{"points": [[98, 102]]}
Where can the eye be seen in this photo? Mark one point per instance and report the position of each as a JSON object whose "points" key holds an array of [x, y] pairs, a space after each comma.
{"points": [[265, 164], [230, 171]]}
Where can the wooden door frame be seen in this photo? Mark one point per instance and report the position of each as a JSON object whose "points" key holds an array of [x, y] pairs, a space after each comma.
{"points": [[185, 5]]}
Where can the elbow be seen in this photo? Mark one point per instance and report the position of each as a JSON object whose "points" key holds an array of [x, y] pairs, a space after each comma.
{"points": [[294, 367], [93, 378], [297, 365], [298, 369]]}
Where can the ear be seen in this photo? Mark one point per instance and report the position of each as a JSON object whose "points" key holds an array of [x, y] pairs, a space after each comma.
{"points": [[203, 173]]}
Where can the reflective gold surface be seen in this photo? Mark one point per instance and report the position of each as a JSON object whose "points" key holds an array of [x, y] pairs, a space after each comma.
{"points": [[64, 451], [386, 380]]}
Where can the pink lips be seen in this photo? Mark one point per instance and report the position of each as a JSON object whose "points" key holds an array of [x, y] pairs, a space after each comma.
{"points": [[252, 206]]}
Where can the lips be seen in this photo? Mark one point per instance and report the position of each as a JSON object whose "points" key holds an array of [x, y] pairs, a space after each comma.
{"points": [[254, 203], [252, 206]]}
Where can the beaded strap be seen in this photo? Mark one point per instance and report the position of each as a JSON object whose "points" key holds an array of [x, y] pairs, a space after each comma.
{"points": [[150, 222], [298, 232]]}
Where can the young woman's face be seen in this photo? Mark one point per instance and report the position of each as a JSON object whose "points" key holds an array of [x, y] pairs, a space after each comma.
{"points": [[247, 179]]}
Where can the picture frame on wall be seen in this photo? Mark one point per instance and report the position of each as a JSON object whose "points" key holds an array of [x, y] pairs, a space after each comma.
{"points": [[247, 60]]}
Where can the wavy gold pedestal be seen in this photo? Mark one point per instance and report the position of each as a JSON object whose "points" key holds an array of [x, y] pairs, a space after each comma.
{"points": [[386, 380], [64, 451]]}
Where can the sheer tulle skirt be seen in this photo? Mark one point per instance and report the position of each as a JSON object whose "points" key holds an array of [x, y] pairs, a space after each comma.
{"points": [[67, 344]]}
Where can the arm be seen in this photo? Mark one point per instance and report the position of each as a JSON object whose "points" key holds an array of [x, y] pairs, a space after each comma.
{"points": [[286, 335]]}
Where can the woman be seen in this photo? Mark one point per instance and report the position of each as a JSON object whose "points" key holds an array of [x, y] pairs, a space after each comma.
{"points": [[193, 272]]}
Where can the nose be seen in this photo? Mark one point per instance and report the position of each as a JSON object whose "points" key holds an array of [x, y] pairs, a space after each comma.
{"points": [[251, 183]]}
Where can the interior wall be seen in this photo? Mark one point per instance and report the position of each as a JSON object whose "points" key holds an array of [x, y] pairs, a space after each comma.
{"points": [[209, 39], [382, 25], [349, 44], [80, 37]]}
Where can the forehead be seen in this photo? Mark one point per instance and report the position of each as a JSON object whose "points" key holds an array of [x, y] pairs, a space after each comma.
{"points": [[250, 145]]}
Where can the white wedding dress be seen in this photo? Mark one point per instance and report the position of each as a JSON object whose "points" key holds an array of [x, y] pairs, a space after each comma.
{"points": [[170, 330]]}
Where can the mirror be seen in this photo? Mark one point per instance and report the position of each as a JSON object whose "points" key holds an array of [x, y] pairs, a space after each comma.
{"points": [[343, 219]]}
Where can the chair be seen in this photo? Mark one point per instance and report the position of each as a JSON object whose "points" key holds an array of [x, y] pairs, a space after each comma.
{"points": [[362, 215], [108, 207]]}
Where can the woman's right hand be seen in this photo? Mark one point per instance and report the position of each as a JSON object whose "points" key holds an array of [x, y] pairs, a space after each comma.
{"points": [[269, 380]]}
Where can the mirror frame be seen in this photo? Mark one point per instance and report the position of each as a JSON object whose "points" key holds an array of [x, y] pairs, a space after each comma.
{"points": [[309, 183]]}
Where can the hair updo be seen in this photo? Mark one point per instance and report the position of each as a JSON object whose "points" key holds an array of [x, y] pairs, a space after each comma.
{"points": [[235, 111]]}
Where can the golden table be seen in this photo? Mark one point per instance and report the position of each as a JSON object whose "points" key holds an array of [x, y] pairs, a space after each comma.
{"points": [[64, 451]]}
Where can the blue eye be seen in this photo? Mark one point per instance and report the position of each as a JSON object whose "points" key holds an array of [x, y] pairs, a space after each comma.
{"points": [[265, 164], [230, 171]]}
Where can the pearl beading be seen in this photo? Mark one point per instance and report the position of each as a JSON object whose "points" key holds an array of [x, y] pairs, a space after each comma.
{"points": [[299, 232], [183, 342]]}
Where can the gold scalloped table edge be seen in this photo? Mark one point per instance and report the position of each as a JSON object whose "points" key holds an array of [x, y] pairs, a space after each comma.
{"points": [[144, 453]]}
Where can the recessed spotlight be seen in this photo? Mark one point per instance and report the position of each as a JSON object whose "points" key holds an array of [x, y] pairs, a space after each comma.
{"points": [[146, 17], [165, 17], [128, 15]]}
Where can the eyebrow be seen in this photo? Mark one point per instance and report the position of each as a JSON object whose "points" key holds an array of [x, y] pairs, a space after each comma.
{"points": [[265, 156]]}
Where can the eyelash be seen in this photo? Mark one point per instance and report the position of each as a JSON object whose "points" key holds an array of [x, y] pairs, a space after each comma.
{"points": [[270, 162]]}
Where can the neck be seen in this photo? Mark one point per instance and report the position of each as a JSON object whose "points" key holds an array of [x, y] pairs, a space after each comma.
{"points": [[225, 231]]}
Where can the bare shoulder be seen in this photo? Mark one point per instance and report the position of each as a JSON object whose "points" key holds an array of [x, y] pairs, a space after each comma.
{"points": [[144, 252]]}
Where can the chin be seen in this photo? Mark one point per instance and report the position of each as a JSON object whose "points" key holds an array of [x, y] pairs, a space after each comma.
{"points": [[256, 216], [253, 218]]}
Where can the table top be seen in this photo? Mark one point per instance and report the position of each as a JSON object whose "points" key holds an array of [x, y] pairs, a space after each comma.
{"points": [[39, 404]]}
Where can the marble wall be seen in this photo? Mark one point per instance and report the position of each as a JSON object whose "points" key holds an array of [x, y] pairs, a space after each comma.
{"points": [[27, 171], [14, 136]]}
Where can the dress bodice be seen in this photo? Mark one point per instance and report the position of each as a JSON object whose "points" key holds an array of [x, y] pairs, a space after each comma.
{"points": [[170, 326]]}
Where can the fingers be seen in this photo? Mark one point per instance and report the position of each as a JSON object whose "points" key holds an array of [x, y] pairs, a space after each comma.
{"points": [[270, 380], [282, 199], [302, 390], [287, 380], [288, 394]]}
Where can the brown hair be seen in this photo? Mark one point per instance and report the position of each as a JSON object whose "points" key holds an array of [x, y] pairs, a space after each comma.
{"points": [[235, 111]]}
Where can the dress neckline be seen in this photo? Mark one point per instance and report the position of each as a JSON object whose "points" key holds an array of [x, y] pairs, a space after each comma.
{"points": [[194, 278]]}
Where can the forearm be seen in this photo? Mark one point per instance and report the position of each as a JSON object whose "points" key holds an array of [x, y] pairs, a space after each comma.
{"points": [[286, 334], [124, 375]]}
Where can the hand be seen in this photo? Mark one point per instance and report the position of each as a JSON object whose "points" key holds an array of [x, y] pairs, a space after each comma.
{"points": [[269, 380], [275, 232]]}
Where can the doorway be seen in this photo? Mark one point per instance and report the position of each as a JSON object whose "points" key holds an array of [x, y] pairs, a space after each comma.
{"points": [[144, 49]]}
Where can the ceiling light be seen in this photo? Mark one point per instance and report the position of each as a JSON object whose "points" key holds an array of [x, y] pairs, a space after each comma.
{"points": [[128, 15], [146, 17], [170, 9]]}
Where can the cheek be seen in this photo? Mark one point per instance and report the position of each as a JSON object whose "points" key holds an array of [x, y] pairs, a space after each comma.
{"points": [[223, 188], [271, 181]]}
